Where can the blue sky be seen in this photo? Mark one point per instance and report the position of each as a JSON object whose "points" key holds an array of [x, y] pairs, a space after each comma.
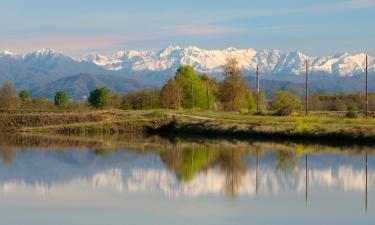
{"points": [[316, 27]]}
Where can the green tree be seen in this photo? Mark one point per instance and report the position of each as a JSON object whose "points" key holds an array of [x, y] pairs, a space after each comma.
{"points": [[285, 103], [194, 89], [251, 103], [99, 97], [24, 95], [234, 90], [60, 99], [212, 90]]}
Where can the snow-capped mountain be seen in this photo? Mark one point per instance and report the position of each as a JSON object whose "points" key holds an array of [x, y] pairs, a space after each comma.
{"points": [[45, 68], [210, 61]]}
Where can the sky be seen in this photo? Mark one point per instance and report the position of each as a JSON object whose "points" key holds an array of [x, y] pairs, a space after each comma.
{"points": [[315, 27]]}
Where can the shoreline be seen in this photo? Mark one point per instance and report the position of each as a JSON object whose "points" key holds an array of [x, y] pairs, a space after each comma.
{"points": [[193, 123]]}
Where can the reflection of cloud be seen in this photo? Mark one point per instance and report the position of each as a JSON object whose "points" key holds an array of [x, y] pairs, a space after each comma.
{"points": [[212, 182]]}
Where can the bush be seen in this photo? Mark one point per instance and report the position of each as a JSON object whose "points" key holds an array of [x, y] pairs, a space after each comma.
{"points": [[351, 114], [24, 95], [285, 103]]}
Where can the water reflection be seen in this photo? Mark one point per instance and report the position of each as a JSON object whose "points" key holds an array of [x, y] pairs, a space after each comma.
{"points": [[186, 168], [112, 179]]}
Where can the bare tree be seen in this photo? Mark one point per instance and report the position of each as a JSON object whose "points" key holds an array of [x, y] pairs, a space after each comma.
{"points": [[8, 96], [234, 90], [171, 95]]}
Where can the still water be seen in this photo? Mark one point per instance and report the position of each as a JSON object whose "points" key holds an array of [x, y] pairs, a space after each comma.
{"points": [[136, 180]]}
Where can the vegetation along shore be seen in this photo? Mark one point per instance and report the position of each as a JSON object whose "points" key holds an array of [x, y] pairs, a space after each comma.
{"points": [[192, 103]]}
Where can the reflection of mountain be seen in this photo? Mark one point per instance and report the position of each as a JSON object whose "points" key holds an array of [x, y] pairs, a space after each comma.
{"points": [[129, 171]]}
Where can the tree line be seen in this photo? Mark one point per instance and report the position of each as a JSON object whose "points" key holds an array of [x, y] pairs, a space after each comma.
{"points": [[189, 90]]}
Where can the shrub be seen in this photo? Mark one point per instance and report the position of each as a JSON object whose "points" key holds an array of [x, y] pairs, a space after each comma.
{"points": [[285, 103], [351, 114], [24, 95]]}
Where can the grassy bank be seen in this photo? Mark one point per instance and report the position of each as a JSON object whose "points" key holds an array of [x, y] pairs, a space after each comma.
{"points": [[320, 127], [105, 121], [315, 127]]}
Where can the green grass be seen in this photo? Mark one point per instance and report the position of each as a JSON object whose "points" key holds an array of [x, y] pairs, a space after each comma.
{"points": [[193, 121]]}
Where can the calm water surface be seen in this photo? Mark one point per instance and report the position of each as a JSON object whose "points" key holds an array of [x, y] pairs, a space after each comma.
{"points": [[157, 181]]}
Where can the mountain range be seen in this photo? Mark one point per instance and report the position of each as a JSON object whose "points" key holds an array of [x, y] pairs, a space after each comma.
{"points": [[45, 71]]}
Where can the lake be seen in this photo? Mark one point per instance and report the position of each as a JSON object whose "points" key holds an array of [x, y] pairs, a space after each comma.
{"points": [[183, 180]]}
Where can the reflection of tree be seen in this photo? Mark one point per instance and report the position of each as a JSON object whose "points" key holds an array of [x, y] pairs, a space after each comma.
{"points": [[101, 152], [286, 161], [8, 155], [187, 162], [231, 162]]}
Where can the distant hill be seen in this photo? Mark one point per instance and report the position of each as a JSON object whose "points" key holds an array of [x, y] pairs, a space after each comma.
{"points": [[79, 86]]}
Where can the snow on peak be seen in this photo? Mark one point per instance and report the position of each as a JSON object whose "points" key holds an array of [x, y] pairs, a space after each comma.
{"points": [[7, 53], [44, 52], [210, 61]]}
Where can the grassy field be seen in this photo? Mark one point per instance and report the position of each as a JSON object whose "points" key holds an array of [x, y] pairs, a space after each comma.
{"points": [[105, 121], [332, 126], [325, 127]]}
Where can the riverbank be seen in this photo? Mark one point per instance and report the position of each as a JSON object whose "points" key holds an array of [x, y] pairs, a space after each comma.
{"points": [[90, 122], [202, 123], [299, 127]]}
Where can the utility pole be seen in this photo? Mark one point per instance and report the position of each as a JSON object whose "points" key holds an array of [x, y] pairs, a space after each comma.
{"points": [[306, 90], [366, 86], [208, 96], [192, 94], [257, 81], [151, 101]]}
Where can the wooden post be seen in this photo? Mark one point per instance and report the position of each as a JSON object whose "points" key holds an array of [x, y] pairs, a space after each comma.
{"points": [[306, 179], [366, 184], [208, 96], [366, 86], [306, 90], [258, 88], [256, 172], [192, 95]]}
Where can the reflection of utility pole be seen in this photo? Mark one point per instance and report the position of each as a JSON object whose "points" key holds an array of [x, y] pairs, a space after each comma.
{"points": [[257, 83], [366, 165], [306, 90], [306, 179], [192, 158], [208, 155], [256, 172], [366, 87]]}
